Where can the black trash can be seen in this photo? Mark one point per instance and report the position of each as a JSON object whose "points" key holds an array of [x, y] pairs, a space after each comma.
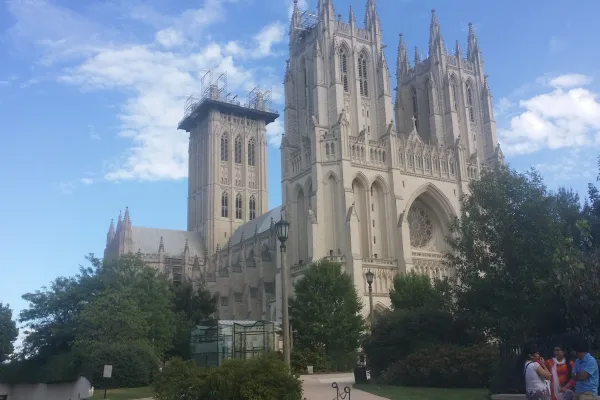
{"points": [[360, 374]]}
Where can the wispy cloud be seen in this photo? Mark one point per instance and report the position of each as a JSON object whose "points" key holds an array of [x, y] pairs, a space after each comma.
{"points": [[155, 72]]}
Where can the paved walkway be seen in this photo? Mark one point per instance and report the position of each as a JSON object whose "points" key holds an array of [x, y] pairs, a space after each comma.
{"points": [[318, 387]]}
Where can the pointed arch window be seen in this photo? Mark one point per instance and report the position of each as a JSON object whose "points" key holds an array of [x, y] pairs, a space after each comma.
{"points": [[252, 207], [415, 104], [362, 75], [224, 146], [238, 150], [344, 69], [224, 205], [238, 206], [470, 103], [251, 154]]}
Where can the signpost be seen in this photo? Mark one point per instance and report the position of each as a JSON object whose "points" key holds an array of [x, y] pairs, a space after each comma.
{"points": [[106, 375]]}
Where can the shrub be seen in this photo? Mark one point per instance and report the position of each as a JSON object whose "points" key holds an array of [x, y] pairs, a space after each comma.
{"points": [[265, 378], [302, 358], [401, 332], [134, 364], [181, 380], [446, 366]]}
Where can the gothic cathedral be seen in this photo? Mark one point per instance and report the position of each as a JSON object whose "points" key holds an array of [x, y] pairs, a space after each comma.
{"points": [[358, 187], [367, 182]]}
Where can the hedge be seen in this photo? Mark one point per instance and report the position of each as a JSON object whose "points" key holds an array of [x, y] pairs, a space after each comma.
{"points": [[445, 366], [265, 378]]}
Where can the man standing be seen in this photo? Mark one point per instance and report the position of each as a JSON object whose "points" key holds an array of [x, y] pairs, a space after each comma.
{"points": [[585, 372]]}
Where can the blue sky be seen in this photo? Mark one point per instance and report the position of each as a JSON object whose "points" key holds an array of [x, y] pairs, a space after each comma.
{"points": [[91, 93]]}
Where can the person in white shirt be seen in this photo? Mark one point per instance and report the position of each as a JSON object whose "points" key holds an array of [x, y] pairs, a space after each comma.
{"points": [[537, 376]]}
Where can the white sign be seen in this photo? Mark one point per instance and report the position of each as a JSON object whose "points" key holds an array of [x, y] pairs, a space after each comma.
{"points": [[107, 371]]}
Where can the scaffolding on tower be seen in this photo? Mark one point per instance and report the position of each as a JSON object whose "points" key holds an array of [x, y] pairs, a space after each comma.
{"points": [[308, 21], [259, 100]]}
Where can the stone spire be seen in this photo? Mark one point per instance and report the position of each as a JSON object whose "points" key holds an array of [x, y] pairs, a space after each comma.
{"points": [[436, 42], [295, 20], [111, 232], [186, 248], [371, 16], [126, 219], [417, 57], [472, 46], [119, 221], [161, 245], [352, 19], [486, 86], [457, 51], [402, 64]]}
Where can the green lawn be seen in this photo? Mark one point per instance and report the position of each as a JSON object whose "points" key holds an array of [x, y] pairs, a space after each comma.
{"points": [[123, 394], [410, 393]]}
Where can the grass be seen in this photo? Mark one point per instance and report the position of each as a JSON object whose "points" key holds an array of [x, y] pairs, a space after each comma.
{"points": [[414, 393], [123, 394]]}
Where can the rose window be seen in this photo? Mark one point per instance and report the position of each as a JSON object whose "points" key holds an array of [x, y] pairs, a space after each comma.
{"points": [[420, 227]]}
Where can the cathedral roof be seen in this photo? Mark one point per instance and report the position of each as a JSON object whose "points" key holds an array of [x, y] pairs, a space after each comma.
{"points": [[147, 240], [258, 225]]}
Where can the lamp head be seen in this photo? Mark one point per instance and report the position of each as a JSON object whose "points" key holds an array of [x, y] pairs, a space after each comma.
{"points": [[283, 228], [369, 274]]}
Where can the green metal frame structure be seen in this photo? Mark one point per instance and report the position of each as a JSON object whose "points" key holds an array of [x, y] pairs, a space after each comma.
{"points": [[226, 339]]}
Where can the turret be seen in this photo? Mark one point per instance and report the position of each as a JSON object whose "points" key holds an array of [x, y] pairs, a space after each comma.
{"points": [[473, 53], [371, 17], [402, 64], [352, 19], [436, 42], [111, 232], [417, 57], [294, 21]]}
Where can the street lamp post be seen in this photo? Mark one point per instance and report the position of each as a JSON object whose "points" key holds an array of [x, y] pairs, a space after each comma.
{"points": [[369, 275], [283, 227]]}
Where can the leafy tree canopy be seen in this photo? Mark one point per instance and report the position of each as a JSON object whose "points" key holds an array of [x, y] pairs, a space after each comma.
{"points": [[325, 313], [412, 290], [512, 249], [8, 332]]}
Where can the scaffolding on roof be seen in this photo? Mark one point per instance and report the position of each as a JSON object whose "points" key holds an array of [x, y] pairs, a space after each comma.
{"points": [[308, 20], [213, 86]]}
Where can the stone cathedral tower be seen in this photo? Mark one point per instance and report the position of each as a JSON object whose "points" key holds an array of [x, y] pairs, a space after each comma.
{"points": [[366, 182], [227, 178]]}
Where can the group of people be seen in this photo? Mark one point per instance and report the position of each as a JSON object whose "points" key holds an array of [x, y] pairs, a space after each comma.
{"points": [[561, 378]]}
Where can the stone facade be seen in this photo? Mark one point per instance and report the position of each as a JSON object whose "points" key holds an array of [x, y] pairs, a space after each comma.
{"points": [[366, 182]]}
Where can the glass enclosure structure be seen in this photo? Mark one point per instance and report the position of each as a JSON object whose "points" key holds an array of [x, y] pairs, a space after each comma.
{"points": [[226, 339]]}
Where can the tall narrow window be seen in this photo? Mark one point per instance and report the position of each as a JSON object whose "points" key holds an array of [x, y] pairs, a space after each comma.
{"points": [[238, 206], [224, 205], [415, 103], [252, 207], [344, 69], [362, 75], [454, 98], [238, 150], [470, 104], [224, 146], [251, 159]]}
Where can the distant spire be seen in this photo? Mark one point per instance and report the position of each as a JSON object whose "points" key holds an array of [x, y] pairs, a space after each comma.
{"points": [[417, 56], [161, 245], [186, 248], [472, 48], [402, 64], [435, 35], [486, 86], [371, 16], [352, 19], [119, 221], [126, 218], [111, 232], [457, 52]]}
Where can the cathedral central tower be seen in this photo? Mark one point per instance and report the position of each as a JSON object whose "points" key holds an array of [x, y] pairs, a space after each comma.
{"points": [[227, 178]]}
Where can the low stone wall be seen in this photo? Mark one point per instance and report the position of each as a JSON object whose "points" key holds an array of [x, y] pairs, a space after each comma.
{"points": [[80, 389]]}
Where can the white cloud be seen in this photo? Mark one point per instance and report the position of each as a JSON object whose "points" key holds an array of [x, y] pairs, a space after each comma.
{"points": [[275, 132], [502, 106], [156, 75], [570, 81], [169, 37], [559, 119], [86, 181], [574, 165]]}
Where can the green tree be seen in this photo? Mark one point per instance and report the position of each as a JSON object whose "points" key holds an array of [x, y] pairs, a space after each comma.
{"points": [[325, 313], [412, 290], [507, 247], [51, 318], [191, 307], [8, 332]]}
